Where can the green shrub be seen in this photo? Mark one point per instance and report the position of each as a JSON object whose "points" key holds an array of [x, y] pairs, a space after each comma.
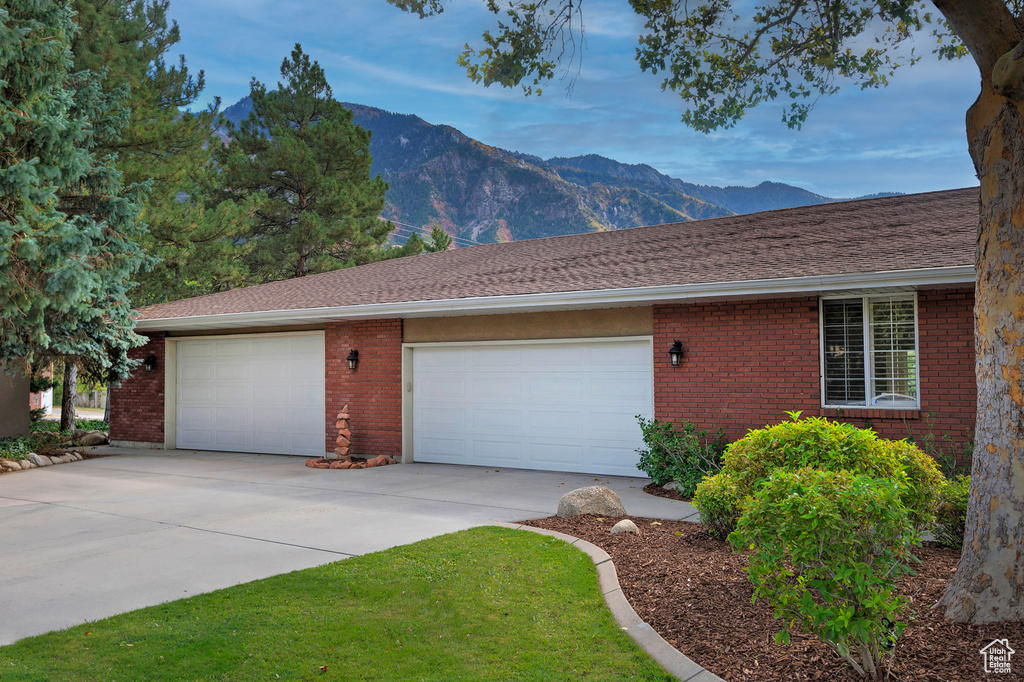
{"points": [[951, 512], [923, 483], [686, 454], [718, 500], [814, 442], [92, 425], [83, 424], [832, 446], [826, 550], [953, 458], [16, 448]]}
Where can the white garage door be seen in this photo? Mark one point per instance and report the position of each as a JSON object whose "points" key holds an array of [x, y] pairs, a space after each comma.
{"points": [[537, 405], [262, 393]]}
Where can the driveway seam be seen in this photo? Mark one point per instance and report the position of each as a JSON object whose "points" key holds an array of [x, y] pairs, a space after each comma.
{"points": [[667, 656], [187, 527]]}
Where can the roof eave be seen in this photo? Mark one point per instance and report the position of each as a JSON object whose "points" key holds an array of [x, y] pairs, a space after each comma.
{"points": [[570, 300]]}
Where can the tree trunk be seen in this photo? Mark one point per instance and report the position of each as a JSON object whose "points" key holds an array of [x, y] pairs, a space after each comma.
{"points": [[989, 582], [106, 404], [67, 407]]}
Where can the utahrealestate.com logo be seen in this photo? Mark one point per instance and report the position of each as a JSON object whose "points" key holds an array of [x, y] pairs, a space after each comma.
{"points": [[997, 656]]}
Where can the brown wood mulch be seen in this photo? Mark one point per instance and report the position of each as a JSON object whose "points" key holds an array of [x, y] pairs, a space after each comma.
{"points": [[658, 491], [694, 591]]}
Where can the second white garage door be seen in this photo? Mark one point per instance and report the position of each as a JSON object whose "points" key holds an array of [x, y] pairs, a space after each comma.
{"points": [[262, 393], [537, 405]]}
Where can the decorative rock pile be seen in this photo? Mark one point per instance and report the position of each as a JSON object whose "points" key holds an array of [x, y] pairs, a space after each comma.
{"points": [[344, 447], [62, 456]]}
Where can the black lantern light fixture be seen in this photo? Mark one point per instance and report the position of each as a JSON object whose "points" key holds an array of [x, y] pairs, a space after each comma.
{"points": [[676, 353], [149, 363], [353, 359]]}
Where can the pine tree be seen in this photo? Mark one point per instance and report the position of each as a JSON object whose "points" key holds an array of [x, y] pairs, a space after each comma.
{"points": [[69, 229], [127, 41], [301, 153]]}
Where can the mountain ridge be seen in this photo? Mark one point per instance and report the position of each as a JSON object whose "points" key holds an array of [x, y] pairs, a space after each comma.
{"points": [[482, 194]]}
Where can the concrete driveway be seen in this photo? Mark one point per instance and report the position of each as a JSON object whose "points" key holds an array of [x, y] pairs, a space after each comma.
{"points": [[91, 539]]}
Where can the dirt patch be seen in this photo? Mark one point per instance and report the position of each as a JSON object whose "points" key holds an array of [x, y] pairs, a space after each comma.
{"points": [[694, 591]]}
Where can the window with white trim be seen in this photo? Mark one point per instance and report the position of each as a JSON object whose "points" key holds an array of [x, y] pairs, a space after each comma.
{"points": [[869, 351]]}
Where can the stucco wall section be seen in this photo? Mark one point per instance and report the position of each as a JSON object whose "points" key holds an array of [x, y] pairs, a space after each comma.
{"points": [[373, 391], [566, 324], [137, 405]]}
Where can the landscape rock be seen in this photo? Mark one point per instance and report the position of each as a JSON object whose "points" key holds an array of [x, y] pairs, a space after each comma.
{"points": [[10, 466], [93, 438], [25, 464], [39, 460], [672, 485], [78, 433], [625, 526], [594, 499]]}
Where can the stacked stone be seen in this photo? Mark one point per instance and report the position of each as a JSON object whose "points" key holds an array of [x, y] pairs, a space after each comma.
{"points": [[344, 439]]}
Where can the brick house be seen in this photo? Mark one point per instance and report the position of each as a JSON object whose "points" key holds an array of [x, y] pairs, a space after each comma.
{"points": [[541, 353]]}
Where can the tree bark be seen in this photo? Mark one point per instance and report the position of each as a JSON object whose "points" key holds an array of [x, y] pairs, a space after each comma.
{"points": [[106, 403], [67, 406], [989, 582]]}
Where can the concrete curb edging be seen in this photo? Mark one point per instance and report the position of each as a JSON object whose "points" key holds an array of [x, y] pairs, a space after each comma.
{"points": [[666, 655]]}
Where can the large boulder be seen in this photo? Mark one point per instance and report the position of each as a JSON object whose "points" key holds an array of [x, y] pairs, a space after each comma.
{"points": [[594, 499], [93, 438], [38, 460]]}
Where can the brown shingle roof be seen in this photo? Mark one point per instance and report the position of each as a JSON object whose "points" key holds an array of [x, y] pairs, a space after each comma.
{"points": [[910, 232]]}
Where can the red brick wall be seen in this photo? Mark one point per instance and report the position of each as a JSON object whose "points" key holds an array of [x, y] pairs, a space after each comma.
{"points": [[746, 363], [373, 391], [749, 362], [137, 406]]}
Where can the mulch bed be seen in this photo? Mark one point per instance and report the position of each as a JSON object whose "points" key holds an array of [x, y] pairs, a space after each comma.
{"points": [[658, 491], [693, 590]]}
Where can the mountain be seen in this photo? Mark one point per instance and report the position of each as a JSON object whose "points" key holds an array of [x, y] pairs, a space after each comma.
{"points": [[483, 194]]}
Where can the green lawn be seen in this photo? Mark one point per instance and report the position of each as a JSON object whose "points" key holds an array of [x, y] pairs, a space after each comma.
{"points": [[483, 604]]}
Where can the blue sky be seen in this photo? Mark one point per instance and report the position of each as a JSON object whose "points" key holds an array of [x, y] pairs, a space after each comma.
{"points": [[905, 138]]}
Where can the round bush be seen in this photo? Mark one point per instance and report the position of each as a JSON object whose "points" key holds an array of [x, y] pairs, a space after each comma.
{"points": [[820, 444], [924, 482], [718, 500], [826, 549], [951, 512]]}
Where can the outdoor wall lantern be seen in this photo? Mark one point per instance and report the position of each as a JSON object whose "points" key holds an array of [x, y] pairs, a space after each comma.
{"points": [[149, 363], [353, 359], [676, 353]]}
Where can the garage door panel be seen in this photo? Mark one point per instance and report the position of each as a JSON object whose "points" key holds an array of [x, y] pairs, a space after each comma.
{"points": [[198, 394], [492, 451], [195, 349], [575, 409], [196, 372], [260, 394], [492, 358], [496, 387], [554, 455], [271, 418], [306, 420], [441, 417], [448, 449], [231, 349], [556, 388], [554, 356], [232, 440], [490, 418], [442, 386], [605, 423], [554, 422]]}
